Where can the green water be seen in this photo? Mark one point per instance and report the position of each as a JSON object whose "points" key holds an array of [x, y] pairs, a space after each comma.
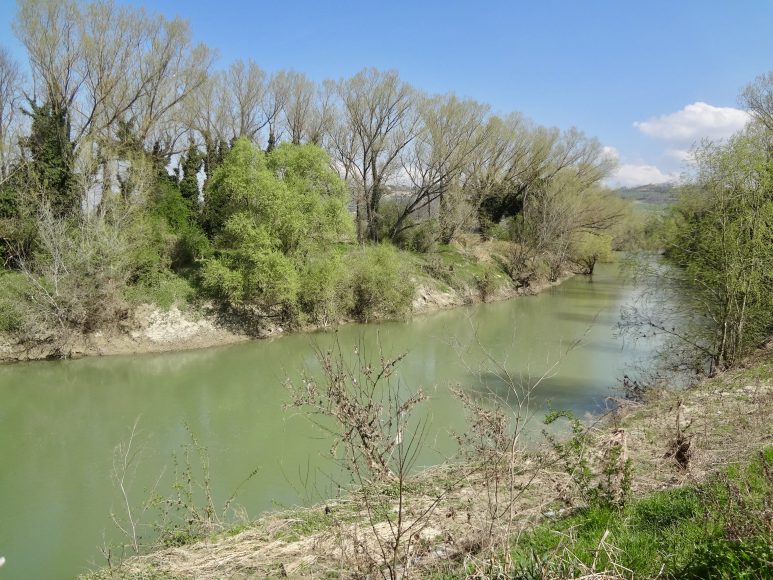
{"points": [[60, 421]]}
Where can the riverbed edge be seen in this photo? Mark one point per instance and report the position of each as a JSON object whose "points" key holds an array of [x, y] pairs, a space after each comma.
{"points": [[726, 417], [153, 330]]}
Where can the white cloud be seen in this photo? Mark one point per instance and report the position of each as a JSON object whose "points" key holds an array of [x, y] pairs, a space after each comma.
{"points": [[610, 153], [632, 175], [683, 156], [695, 121]]}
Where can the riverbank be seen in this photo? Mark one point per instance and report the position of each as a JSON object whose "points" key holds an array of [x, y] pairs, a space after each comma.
{"points": [[688, 450], [455, 276]]}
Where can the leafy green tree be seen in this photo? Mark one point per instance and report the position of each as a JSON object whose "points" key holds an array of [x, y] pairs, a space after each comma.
{"points": [[51, 155], [589, 248], [267, 213], [721, 237], [189, 181]]}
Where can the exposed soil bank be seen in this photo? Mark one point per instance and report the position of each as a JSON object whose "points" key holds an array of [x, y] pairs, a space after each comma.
{"points": [[150, 329], [725, 419]]}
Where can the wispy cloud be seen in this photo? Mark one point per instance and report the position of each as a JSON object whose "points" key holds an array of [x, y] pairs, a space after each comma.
{"points": [[695, 121]]}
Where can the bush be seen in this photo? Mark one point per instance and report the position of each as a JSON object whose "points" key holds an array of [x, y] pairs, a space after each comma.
{"points": [[12, 286], [83, 272], [380, 283], [267, 214], [322, 297], [164, 289]]}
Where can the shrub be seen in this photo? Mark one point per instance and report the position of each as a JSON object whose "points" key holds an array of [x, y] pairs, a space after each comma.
{"points": [[322, 296], [268, 213], [380, 283], [11, 289], [164, 289]]}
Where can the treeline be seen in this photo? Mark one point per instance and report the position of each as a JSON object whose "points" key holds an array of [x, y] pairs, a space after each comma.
{"points": [[131, 166], [720, 235]]}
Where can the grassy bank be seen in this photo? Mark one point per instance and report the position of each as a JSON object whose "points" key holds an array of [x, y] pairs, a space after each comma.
{"points": [[397, 284], [697, 505]]}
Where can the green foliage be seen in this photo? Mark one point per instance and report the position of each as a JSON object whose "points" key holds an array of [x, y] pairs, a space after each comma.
{"points": [[323, 295], [413, 235], [17, 228], [12, 287], [161, 288], [250, 268], [721, 236], [167, 202], [716, 530], [588, 248], [269, 213], [606, 484], [189, 244], [486, 283], [380, 283], [189, 182], [51, 155]]}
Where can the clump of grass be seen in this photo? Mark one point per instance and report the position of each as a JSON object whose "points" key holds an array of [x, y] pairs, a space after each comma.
{"points": [[720, 529]]}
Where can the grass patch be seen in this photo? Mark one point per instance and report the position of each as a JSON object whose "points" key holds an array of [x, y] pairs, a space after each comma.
{"points": [[721, 529], [11, 288], [164, 289]]}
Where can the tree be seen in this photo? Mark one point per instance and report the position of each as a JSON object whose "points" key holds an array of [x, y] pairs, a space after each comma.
{"points": [[10, 95], [51, 159], [380, 121], [189, 180], [451, 132], [242, 89], [100, 64], [274, 102], [589, 248], [758, 98], [268, 212], [722, 241], [524, 160], [298, 107]]}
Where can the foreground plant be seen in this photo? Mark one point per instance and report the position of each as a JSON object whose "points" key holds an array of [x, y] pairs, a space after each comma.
{"points": [[361, 403]]}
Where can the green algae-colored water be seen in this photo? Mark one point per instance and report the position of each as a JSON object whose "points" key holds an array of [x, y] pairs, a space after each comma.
{"points": [[60, 421]]}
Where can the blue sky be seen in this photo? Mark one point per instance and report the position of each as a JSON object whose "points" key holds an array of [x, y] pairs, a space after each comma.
{"points": [[600, 65]]}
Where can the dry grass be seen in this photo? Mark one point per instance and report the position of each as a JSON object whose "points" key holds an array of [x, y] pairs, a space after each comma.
{"points": [[725, 418]]}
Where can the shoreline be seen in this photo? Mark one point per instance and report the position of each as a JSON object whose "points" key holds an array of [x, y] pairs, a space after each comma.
{"points": [[326, 537], [153, 331]]}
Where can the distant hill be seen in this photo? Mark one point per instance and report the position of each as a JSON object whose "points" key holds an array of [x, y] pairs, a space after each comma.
{"points": [[652, 193]]}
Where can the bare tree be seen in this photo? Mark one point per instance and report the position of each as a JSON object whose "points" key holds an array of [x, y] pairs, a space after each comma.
{"points": [[243, 89], [298, 107], [107, 68], [322, 116], [273, 103], [452, 130], [380, 114], [758, 98], [10, 94]]}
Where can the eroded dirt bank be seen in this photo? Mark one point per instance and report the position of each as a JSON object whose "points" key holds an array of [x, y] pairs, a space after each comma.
{"points": [[149, 329]]}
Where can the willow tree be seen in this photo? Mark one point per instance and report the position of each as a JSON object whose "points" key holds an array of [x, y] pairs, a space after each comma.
{"points": [[379, 121], [451, 132], [269, 212]]}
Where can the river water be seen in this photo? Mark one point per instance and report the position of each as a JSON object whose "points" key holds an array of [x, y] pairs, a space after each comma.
{"points": [[61, 420]]}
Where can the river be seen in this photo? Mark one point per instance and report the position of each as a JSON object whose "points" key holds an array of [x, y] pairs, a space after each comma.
{"points": [[61, 420]]}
